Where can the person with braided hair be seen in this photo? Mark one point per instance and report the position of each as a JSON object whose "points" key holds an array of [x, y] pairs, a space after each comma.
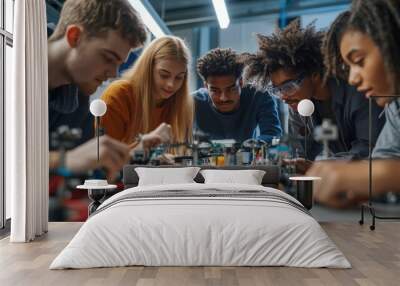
{"points": [[289, 64], [333, 62], [368, 43]]}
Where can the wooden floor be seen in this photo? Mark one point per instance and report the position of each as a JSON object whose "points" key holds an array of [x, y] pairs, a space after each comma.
{"points": [[374, 255]]}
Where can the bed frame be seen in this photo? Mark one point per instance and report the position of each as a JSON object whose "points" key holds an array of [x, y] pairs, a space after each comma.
{"points": [[270, 179]]}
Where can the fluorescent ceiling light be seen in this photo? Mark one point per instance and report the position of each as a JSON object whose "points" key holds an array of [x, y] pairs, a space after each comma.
{"points": [[222, 13], [147, 18]]}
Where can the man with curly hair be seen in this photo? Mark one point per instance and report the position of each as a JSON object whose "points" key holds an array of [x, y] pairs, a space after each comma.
{"points": [[225, 109], [289, 64]]}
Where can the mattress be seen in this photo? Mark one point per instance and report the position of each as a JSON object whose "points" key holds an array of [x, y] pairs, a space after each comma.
{"points": [[201, 225]]}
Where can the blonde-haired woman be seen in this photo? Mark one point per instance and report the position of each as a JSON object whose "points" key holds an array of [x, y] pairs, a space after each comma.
{"points": [[152, 96]]}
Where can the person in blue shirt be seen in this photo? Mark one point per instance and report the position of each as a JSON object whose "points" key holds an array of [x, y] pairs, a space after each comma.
{"points": [[225, 109]]}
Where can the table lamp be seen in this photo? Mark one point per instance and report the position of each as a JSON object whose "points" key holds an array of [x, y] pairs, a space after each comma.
{"points": [[97, 189]]}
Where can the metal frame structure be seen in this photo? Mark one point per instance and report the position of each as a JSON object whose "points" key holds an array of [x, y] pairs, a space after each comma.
{"points": [[369, 206], [2, 89], [6, 39]]}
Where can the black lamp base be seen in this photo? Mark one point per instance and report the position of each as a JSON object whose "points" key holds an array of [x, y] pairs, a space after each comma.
{"points": [[304, 193], [96, 196]]}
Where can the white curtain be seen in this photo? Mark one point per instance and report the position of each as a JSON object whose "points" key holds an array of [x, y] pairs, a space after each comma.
{"points": [[27, 124]]}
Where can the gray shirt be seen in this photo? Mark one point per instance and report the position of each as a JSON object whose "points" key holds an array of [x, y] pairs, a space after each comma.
{"points": [[388, 143]]}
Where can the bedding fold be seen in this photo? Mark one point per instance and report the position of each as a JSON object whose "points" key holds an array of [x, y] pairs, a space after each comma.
{"points": [[201, 225]]}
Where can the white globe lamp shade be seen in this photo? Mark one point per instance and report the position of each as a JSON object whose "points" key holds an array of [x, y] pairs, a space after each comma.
{"points": [[98, 107], [305, 107]]}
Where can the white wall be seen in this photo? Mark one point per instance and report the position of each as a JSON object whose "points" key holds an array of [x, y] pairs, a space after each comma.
{"points": [[323, 20], [241, 36], [9, 13], [9, 68], [187, 36]]}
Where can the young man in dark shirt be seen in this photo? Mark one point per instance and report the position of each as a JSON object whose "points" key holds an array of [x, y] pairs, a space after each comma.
{"points": [[225, 109]]}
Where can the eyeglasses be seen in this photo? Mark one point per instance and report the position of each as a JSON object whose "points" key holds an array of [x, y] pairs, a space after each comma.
{"points": [[288, 88]]}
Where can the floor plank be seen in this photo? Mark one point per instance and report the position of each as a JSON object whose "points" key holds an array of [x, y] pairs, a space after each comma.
{"points": [[374, 255]]}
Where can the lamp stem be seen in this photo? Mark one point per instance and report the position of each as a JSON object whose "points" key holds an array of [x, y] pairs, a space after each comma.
{"points": [[305, 138], [98, 137], [370, 149]]}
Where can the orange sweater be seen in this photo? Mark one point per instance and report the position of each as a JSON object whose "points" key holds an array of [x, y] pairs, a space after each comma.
{"points": [[121, 122]]}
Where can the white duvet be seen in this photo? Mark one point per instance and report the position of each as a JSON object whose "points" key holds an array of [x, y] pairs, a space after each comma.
{"points": [[188, 231]]}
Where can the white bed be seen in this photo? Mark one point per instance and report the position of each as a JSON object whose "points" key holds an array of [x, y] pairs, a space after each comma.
{"points": [[225, 225]]}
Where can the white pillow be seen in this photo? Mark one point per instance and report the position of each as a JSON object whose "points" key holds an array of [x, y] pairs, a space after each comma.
{"points": [[249, 177], [164, 176]]}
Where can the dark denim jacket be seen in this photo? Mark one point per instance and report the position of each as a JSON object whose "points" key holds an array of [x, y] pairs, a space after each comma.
{"points": [[350, 110]]}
